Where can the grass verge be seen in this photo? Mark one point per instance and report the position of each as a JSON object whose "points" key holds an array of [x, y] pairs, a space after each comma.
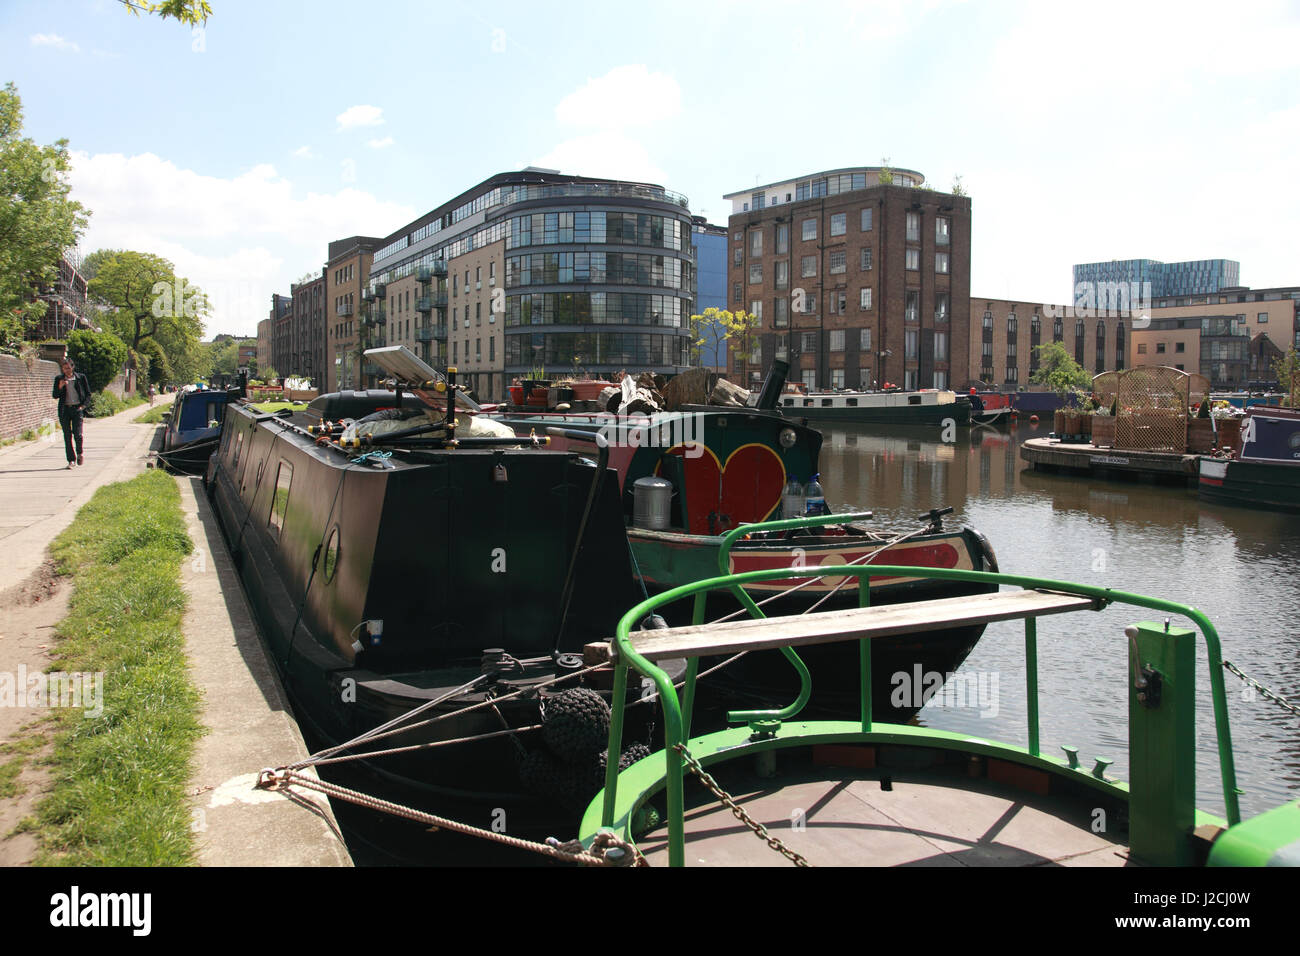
{"points": [[154, 415], [119, 780]]}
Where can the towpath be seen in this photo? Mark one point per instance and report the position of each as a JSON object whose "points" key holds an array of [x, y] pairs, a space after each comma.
{"points": [[244, 709]]}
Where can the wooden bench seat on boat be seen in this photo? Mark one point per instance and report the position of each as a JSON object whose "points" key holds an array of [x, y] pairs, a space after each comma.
{"points": [[853, 624]]}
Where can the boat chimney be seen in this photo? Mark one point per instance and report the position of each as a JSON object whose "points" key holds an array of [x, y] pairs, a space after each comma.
{"points": [[773, 384]]}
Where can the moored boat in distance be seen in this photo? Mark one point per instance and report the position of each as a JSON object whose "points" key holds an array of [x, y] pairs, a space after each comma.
{"points": [[927, 407], [1267, 472], [193, 427]]}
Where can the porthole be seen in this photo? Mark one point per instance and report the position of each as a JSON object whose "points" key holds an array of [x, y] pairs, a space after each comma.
{"points": [[332, 555]]}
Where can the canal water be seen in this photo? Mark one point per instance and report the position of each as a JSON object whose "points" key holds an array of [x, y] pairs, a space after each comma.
{"points": [[1238, 565]]}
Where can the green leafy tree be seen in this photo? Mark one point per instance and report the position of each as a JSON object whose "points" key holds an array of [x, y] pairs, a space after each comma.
{"points": [[886, 172], [150, 298], [192, 12], [1287, 369], [1058, 370], [37, 219], [722, 325], [957, 188], [100, 355], [225, 358]]}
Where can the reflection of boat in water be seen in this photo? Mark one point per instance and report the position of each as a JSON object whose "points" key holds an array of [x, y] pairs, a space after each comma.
{"points": [[1267, 473], [860, 791]]}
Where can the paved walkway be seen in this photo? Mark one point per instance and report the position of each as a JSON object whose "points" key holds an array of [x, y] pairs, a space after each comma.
{"points": [[244, 710], [39, 495]]}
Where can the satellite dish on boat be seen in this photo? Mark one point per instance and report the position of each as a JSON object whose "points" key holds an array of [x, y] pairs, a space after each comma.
{"points": [[412, 373]]}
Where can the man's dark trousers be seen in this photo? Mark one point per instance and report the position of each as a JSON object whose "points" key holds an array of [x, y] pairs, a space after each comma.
{"points": [[70, 420]]}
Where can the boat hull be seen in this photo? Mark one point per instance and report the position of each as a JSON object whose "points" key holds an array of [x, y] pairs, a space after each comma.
{"points": [[878, 408]]}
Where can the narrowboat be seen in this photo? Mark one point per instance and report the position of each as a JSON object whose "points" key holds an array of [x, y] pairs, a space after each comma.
{"points": [[193, 427], [422, 566], [697, 481], [1267, 472], [927, 407]]}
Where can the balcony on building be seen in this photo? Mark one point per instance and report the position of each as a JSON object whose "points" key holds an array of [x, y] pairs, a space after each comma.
{"points": [[431, 271], [344, 309], [427, 303]]}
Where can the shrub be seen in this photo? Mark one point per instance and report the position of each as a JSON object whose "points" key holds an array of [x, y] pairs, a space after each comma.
{"points": [[103, 404], [99, 354]]}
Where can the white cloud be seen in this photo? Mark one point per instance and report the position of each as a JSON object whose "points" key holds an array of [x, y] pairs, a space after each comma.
{"points": [[356, 116], [380, 143], [239, 239], [625, 96], [56, 41], [609, 154], [304, 152]]}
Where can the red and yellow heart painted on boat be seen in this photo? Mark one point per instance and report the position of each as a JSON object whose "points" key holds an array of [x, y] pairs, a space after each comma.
{"points": [[747, 487]]}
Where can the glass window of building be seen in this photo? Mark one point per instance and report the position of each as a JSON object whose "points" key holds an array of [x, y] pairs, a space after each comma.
{"points": [[756, 310], [755, 273], [837, 340], [781, 312], [837, 378], [782, 238], [912, 306], [866, 220], [942, 231], [941, 301], [838, 265], [809, 229], [864, 298], [865, 260], [941, 346], [913, 227], [807, 341], [913, 263], [756, 242], [782, 274], [941, 263], [839, 224], [864, 340], [808, 266]]}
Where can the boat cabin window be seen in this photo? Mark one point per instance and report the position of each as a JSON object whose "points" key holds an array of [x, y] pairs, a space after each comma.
{"points": [[789, 402], [827, 402], [280, 503], [807, 402], [851, 402], [239, 446], [914, 399]]}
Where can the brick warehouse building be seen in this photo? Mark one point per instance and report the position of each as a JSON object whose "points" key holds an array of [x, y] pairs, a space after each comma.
{"points": [[855, 280]]}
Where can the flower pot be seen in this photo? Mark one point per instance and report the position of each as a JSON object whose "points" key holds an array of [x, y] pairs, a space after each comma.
{"points": [[589, 391], [1103, 430], [516, 394], [1058, 422], [1200, 436]]}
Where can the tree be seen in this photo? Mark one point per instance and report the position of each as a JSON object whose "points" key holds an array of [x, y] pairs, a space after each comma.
{"points": [[152, 302], [886, 172], [720, 325], [1287, 369], [100, 355], [1058, 370], [957, 188], [37, 219], [192, 12], [225, 358], [160, 371]]}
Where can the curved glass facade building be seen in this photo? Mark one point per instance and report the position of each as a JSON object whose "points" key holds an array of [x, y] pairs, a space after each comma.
{"points": [[536, 271]]}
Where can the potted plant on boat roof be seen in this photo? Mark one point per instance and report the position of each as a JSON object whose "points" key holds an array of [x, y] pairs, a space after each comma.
{"points": [[1103, 424]]}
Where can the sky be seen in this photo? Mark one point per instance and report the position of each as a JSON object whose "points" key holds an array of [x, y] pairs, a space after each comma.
{"points": [[1110, 130]]}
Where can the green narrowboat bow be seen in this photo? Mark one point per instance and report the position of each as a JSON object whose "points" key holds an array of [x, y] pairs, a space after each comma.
{"points": [[1038, 808]]}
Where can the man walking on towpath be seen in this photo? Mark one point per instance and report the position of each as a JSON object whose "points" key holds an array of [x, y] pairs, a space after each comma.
{"points": [[72, 389]]}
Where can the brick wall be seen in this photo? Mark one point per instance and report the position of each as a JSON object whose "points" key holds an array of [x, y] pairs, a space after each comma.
{"points": [[25, 400]]}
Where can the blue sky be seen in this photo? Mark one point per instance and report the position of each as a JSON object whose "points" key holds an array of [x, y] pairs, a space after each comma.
{"points": [[1111, 130]]}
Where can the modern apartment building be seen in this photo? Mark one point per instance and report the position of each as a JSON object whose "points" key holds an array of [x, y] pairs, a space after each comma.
{"points": [[535, 271], [347, 271], [1274, 312], [859, 276], [1108, 284]]}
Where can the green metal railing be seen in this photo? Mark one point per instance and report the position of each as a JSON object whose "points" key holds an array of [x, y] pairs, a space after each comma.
{"points": [[677, 713]]}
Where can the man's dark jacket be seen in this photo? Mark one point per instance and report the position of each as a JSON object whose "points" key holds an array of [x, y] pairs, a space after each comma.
{"points": [[79, 382]]}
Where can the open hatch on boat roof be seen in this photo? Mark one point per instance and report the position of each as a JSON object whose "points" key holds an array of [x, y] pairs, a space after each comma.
{"points": [[414, 374]]}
